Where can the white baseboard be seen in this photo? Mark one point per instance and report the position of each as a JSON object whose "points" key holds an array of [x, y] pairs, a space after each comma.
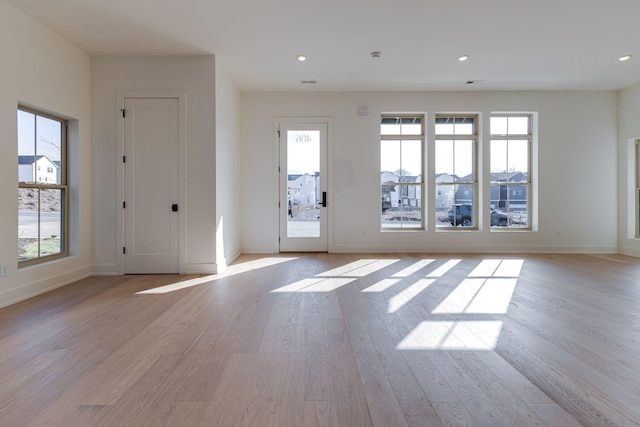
{"points": [[203, 268], [50, 283], [104, 269]]}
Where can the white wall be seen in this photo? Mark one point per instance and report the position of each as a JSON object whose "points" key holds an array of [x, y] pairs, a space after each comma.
{"points": [[193, 75], [628, 131], [41, 70], [227, 169], [576, 181]]}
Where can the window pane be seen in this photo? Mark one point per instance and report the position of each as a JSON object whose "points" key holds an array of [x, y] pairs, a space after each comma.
{"points": [[48, 149], [466, 205], [518, 125], [444, 128], [445, 197], [455, 125], [411, 126], [464, 159], [411, 158], [303, 166], [498, 126], [51, 220], [401, 126], [518, 156], [401, 207], [517, 206], [512, 201], [26, 147], [389, 126], [28, 200], [389, 156], [498, 157], [444, 157], [49, 223]]}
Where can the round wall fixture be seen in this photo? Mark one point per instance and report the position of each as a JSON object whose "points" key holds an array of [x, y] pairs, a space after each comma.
{"points": [[375, 54]]}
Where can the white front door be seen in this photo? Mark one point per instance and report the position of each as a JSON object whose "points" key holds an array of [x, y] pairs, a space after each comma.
{"points": [[151, 185], [303, 187]]}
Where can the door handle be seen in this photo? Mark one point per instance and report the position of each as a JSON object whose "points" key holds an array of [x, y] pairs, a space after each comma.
{"points": [[174, 208], [324, 199]]}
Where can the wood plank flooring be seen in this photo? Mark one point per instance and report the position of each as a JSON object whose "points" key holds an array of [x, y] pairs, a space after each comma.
{"points": [[334, 340]]}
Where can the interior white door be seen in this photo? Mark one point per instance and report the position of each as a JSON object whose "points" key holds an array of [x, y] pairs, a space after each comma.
{"points": [[151, 186], [303, 187]]}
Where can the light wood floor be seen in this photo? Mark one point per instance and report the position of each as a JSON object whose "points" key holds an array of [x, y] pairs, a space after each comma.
{"points": [[324, 340]]}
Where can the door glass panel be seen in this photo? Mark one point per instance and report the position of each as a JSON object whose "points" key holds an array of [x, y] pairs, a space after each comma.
{"points": [[303, 183]]}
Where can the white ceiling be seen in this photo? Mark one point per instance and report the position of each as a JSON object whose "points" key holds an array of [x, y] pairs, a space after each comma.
{"points": [[513, 44]]}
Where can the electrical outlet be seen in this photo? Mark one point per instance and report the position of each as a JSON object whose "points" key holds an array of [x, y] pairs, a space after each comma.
{"points": [[3, 270]]}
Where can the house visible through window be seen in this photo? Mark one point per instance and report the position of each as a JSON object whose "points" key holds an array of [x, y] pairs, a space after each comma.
{"points": [[401, 174], [511, 139], [42, 186], [455, 169]]}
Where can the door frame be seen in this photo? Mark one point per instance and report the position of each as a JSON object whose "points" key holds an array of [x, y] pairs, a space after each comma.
{"points": [[121, 96], [277, 121]]}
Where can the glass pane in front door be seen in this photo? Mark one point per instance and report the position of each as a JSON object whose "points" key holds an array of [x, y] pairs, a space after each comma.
{"points": [[303, 183]]}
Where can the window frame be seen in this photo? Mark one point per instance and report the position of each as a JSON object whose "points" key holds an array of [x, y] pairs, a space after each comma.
{"points": [[636, 144], [421, 185], [63, 187], [474, 138], [529, 183]]}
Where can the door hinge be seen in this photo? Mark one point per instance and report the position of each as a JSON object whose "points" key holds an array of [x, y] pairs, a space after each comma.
{"points": [[124, 205], [278, 169], [124, 250], [278, 204], [124, 112], [278, 133], [124, 159]]}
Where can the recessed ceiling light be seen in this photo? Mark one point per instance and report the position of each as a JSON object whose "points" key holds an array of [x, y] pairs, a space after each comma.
{"points": [[624, 58], [463, 58], [302, 58], [375, 54]]}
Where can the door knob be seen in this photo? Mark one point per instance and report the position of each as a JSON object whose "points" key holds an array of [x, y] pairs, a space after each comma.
{"points": [[174, 208]]}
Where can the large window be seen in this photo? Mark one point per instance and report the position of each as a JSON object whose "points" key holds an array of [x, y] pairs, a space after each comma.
{"points": [[42, 186], [401, 148], [455, 169], [511, 138]]}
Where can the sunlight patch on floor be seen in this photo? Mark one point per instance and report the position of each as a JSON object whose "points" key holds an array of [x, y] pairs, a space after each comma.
{"points": [[452, 335], [444, 268], [381, 286], [178, 285], [414, 268], [316, 284], [232, 270], [360, 268], [402, 298]]}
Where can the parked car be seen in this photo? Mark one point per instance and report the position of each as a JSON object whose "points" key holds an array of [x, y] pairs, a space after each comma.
{"points": [[499, 218], [462, 214]]}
